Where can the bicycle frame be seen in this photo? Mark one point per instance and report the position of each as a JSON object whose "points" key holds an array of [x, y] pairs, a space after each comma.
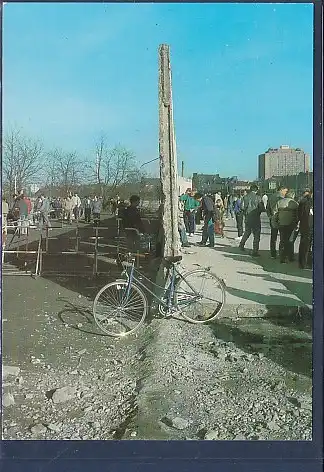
{"points": [[168, 303]]}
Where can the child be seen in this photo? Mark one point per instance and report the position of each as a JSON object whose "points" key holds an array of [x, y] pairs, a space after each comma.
{"points": [[219, 218]]}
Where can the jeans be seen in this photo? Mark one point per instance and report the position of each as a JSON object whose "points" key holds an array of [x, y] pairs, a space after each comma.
{"points": [[255, 229], [207, 217], [239, 224], [229, 211], [211, 234], [198, 216], [190, 219], [44, 219], [87, 214], [96, 219], [273, 240], [305, 249], [76, 212], [286, 247], [183, 234]]}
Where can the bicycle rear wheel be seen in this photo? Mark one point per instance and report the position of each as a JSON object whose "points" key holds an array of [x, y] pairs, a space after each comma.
{"points": [[200, 296], [119, 314]]}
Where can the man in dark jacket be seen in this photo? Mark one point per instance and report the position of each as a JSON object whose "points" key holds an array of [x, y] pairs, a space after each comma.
{"points": [[87, 207], [131, 217], [272, 202], [239, 215], [208, 210], [252, 207], [305, 215]]}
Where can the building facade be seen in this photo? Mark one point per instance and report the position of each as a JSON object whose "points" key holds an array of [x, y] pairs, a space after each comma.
{"points": [[282, 162], [297, 182], [213, 183]]}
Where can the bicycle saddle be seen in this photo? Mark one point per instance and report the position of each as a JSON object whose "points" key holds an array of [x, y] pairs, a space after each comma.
{"points": [[173, 259]]}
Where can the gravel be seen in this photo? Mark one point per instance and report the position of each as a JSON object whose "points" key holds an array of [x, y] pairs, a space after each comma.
{"points": [[8, 370], [174, 380], [64, 394]]}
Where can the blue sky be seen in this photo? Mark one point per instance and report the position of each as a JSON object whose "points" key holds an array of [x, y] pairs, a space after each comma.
{"points": [[242, 78]]}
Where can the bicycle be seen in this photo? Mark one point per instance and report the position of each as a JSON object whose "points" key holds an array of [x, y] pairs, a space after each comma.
{"points": [[120, 307]]}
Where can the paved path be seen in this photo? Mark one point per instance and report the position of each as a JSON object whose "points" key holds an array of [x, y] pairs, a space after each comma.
{"points": [[252, 284]]}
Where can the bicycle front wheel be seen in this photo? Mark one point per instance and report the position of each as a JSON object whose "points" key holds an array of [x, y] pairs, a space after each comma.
{"points": [[117, 312], [200, 296]]}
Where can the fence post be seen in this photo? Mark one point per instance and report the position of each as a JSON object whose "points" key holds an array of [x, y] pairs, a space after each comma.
{"points": [[46, 240], [95, 260], [77, 239]]}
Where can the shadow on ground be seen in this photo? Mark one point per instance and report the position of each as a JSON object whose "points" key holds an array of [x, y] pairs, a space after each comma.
{"points": [[289, 348]]}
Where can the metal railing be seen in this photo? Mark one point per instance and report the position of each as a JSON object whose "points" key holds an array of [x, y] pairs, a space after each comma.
{"points": [[128, 240]]}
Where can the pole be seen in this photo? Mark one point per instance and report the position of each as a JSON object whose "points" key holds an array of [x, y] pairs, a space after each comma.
{"points": [[168, 159], [182, 168]]}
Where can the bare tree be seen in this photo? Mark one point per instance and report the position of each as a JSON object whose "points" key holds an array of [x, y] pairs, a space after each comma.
{"points": [[65, 170], [113, 167], [22, 160]]}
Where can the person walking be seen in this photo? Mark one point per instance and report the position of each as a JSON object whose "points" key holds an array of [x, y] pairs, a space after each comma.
{"points": [[239, 216], [225, 203], [76, 205], [87, 206], [68, 209], [285, 216], [252, 207], [271, 203], [208, 209], [96, 210], [211, 232], [36, 210], [306, 216], [44, 212], [219, 218], [23, 215], [230, 206]]}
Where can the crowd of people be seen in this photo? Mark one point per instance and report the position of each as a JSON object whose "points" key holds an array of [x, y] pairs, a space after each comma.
{"points": [[23, 211], [288, 218]]}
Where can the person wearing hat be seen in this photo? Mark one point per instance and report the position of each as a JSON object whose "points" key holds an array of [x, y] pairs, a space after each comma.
{"points": [[305, 216]]}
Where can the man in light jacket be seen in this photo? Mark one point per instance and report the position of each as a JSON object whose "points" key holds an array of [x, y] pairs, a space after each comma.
{"points": [[44, 212], [76, 203], [285, 218], [96, 210], [272, 201]]}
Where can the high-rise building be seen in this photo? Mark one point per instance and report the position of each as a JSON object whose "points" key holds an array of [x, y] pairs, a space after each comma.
{"points": [[283, 161]]}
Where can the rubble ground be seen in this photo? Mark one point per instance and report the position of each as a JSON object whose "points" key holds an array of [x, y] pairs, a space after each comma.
{"points": [[174, 380], [245, 376]]}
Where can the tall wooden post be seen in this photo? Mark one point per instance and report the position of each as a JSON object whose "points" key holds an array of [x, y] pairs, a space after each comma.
{"points": [[168, 156]]}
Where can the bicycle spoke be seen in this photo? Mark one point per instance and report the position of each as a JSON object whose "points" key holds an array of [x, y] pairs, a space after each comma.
{"points": [[117, 314], [200, 296]]}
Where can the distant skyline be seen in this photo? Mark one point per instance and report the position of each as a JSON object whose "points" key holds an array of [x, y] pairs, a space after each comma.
{"points": [[242, 78]]}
